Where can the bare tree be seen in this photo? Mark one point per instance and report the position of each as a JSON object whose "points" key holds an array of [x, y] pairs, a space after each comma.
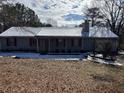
{"points": [[113, 12], [94, 15]]}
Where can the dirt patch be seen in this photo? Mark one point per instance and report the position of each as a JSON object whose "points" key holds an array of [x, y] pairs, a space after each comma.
{"points": [[103, 78]]}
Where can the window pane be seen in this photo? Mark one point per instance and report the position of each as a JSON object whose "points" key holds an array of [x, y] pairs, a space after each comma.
{"points": [[57, 43], [32, 42], [72, 42], [11, 41], [80, 42]]}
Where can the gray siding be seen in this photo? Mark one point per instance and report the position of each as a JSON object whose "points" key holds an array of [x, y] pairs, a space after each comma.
{"points": [[88, 44], [49, 44], [22, 44]]}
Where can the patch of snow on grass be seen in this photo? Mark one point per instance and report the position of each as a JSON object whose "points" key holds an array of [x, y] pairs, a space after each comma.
{"points": [[115, 63]]}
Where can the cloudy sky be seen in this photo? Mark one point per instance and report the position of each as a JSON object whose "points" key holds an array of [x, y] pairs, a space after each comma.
{"points": [[58, 12]]}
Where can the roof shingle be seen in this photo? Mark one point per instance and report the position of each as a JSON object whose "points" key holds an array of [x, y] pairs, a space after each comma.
{"points": [[95, 32]]}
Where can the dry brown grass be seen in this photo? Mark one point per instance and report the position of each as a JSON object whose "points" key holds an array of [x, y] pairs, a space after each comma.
{"points": [[42, 76]]}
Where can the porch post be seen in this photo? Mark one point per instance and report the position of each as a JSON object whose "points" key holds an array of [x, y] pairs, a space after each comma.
{"points": [[37, 45], [49, 45]]}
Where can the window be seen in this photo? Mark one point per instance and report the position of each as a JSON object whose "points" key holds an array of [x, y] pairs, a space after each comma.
{"points": [[64, 42], [80, 42], [72, 42], [57, 51], [32, 42], [11, 41], [57, 42]]}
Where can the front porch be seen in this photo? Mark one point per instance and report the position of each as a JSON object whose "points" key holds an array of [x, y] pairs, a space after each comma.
{"points": [[59, 45]]}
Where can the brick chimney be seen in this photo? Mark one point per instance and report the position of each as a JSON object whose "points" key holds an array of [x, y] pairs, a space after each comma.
{"points": [[86, 26]]}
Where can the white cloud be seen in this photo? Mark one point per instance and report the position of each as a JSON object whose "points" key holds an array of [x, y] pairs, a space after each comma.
{"points": [[53, 10]]}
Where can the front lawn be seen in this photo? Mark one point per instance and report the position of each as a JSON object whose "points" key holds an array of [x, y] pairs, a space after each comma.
{"points": [[43, 76]]}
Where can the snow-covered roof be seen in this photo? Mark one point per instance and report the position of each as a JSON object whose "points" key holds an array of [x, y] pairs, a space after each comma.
{"points": [[20, 32], [99, 32], [94, 32], [60, 31]]}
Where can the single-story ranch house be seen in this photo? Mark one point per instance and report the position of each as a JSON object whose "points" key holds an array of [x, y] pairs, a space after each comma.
{"points": [[58, 39]]}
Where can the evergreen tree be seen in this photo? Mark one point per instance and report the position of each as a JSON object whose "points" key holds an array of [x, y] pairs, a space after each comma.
{"points": [[18, 15]]}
